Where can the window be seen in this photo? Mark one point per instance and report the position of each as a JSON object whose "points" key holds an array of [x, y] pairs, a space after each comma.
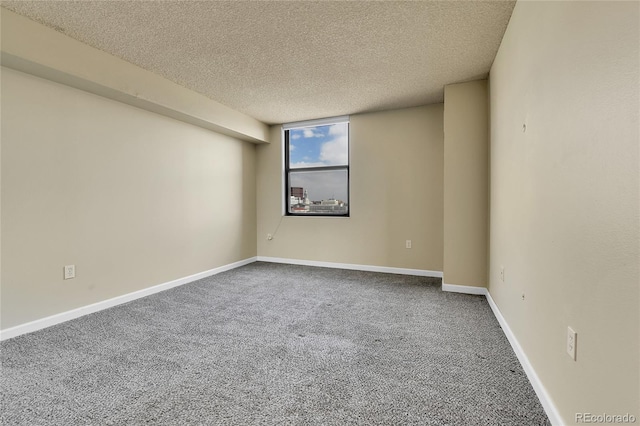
{"points": [[316, 171]]}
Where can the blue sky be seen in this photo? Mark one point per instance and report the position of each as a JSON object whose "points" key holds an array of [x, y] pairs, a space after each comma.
{"points": [[318, 146]]}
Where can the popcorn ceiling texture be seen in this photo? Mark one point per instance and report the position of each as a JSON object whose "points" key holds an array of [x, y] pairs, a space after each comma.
{"points": [[289, 61]]}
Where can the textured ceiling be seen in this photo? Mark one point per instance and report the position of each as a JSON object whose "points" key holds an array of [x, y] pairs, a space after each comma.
{"points": [[288, 61]]}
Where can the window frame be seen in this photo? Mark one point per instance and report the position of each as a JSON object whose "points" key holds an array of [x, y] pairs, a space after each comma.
{"points": [[287, 170]]}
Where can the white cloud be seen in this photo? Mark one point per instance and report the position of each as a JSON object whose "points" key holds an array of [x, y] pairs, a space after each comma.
{"points": [[311, 132], [338, 129], [306, 164], [325, 184], [292, 147], [295, 136], [335, 151]]}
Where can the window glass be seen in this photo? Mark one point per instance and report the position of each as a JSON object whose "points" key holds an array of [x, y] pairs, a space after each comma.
{"points": [[317, 170]]}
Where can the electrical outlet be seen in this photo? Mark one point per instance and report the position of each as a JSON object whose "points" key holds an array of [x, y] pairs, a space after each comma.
{"points": [[572, 341], [69, 272], [407, 244], [502, 273], [269, 237]]}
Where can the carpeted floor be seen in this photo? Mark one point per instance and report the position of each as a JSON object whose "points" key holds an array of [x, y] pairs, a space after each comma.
{"points": [[274, 344]]}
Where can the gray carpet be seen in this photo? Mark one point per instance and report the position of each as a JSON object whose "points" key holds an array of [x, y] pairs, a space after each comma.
{"points": [[274, 344]]}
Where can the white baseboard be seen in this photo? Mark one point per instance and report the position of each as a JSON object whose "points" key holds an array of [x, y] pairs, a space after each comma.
{"points": [[105, 304], [538, 387], [466, 289], [549, 408], [369, 268]]}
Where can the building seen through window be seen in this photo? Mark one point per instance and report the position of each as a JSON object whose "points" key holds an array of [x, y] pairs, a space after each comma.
{"points": [[317, 169]]}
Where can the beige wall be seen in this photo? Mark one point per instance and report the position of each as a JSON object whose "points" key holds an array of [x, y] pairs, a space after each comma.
{"points": [[396, 195], [466, 183], [564, 198], [33, 48], [132, 198]]}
